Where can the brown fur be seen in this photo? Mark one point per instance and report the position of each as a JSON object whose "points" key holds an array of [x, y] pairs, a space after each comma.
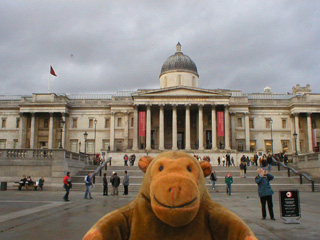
{"points": [[173, 203]]}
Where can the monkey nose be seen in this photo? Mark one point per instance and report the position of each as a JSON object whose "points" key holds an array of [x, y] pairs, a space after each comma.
{"points": [[174, 192]]}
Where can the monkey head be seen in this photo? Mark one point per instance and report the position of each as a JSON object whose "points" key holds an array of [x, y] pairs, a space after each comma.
{"points": [[175, 185]]}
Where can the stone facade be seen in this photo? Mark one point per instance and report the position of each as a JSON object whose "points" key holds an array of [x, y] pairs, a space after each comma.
{"points": [[179, 115]]}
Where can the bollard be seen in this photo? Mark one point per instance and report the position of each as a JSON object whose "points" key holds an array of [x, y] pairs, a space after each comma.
{"points": [[288, 172], [312, 186], [100, 172], [300, 179]]}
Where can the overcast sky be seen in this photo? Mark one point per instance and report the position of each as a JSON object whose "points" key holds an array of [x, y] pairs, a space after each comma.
{"points": [[107, 46]]}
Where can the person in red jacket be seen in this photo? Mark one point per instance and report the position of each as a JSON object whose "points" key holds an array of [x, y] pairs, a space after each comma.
{"points": [[67, 185]]}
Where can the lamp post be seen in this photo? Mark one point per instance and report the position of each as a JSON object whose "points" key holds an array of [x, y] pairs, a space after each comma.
{"points": [[62, 122], [85, 141], [295, 135], [79, 146], [271, 122], [95, 131]]}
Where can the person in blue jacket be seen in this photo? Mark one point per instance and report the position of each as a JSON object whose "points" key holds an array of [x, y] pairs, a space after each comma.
{"points": [[265, 192]]}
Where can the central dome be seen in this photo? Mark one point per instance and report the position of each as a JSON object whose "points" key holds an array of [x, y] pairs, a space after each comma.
{"points": [[179, 63]]}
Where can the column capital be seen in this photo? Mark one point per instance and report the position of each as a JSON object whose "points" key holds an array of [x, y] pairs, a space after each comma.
{"points": [[161, 104], [174, 106], [296, 114], [21, 114], [309, 114], [233, 113], [246, 113], [200, 105], [187, 105], [213, 106], [112, 113], [126, 113], [227, 105]]}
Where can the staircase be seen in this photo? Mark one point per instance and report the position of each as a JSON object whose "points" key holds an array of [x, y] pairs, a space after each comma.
{"points": [[280, 181]]}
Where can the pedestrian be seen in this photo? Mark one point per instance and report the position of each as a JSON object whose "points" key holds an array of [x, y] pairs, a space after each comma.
{"points": [[228, 181], [219, 161], [88, 183], [213, 178], [269, 161], [105, 185], [125, 182], [133, 158], [67, 186], [115, 181], [125, 159], [285, 159], [228, 160], [223, 160], [41, 182], [245, 170], [255, 159], [265, 192], [241, 169]]}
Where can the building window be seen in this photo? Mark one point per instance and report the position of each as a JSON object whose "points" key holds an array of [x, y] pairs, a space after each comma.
{"points": [[268, 145], [107, 123], [105, 144], [251, 123], [240, 144], [15, 143], [90, 122], [284, 123], [285, 146], [46, 123], [3, 144], [4, 123], [74, 122], [119, 122], [132, 122], [17, 122], [253, 146], [268, 123], [239, 122], [90, 144], [74, 146]]}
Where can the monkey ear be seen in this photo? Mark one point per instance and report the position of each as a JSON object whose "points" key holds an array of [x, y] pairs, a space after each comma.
{"points": [[206, 168], [144, 163]]}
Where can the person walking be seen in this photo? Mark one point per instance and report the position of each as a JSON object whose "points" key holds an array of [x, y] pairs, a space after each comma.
{"points": [[219, 161], [228, 181], [132, 159], [125, 183], [265, 192], [213, 178], [125, 159], [105, 185], [41, 182], [115, 181], [269, 161], [67, 186], [223, 160], [88, 183], [241, 169], [245, 170]]}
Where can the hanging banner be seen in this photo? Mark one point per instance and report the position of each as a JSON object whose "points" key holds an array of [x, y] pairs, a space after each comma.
{"points": [[142, 124], [220, 122]]}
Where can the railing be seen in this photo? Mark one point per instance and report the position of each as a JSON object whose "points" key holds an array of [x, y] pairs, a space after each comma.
{"points": [[15, 154], [290, 169], [77, 156], [99, 169]]}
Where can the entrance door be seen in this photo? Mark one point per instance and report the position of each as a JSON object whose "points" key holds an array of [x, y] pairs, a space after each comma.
{"points": [[180, 139], [208, 139]]}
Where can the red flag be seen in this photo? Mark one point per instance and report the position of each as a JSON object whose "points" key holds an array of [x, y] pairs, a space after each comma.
{"points": [[52, 72]]}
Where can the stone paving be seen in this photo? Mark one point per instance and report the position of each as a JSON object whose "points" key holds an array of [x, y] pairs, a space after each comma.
{"points": [[44, 215]]}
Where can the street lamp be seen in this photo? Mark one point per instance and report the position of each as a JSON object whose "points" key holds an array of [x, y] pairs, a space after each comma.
{"points": [[85, 141], [295, 135], [271, 122], [62, 122], [79, 146], [95, 131]]}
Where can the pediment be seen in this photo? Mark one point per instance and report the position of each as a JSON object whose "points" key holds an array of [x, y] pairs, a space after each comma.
{"points": [[180, 91]]}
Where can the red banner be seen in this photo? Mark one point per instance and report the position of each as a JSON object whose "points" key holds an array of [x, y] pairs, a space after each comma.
{"points": [[220, 122], [142, 124]]}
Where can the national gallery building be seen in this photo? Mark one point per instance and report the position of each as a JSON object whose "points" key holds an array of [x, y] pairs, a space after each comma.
{"points": [[178, 115]]}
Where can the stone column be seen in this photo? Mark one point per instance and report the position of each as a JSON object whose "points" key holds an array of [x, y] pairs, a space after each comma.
{"points": [[188, 135], [227, 127], [233, 130], [64, 129], [33, 129], [214, 127], [309, 130], [293, 149], [112, 131], [247, 131], [201, 127], [126, 130], [21, 131], [174, 128], [135, 129], [297, 130], [50, 140], [148, 133], [161, 128]]}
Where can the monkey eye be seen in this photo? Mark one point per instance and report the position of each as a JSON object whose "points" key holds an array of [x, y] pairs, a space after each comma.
{"points": [[189, 169], [160, 168]]}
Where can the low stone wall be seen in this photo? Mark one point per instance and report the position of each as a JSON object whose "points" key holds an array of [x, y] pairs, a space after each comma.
{"points": [[309, 163]]}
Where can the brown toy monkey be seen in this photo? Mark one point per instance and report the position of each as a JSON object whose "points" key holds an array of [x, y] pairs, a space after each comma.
{"points": [[173, 203]]}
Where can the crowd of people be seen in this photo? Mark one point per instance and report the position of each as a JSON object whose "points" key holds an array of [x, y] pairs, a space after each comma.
{"points": [[131, 159]]}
